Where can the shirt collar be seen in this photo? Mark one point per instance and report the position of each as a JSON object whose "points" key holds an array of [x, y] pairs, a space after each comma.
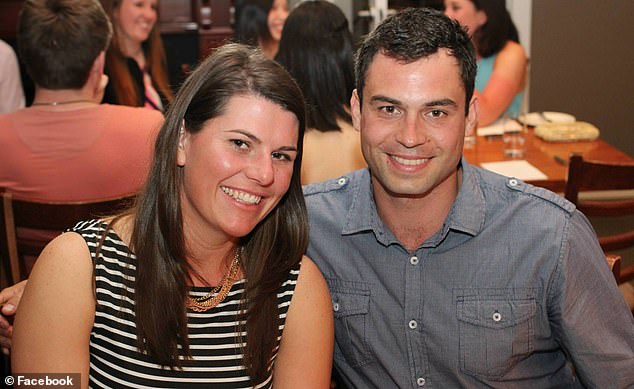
{"points": [[467, 214]]}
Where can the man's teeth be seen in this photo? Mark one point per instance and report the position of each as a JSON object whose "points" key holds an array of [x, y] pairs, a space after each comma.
{"points": [[409, 161], [242, 197]]}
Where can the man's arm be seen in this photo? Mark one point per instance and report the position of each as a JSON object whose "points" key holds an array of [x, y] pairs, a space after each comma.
{"points": [[588, 313], [9, 300]]}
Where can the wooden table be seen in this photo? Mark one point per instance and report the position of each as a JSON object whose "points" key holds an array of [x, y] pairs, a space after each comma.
{"points": [[549, 157]]}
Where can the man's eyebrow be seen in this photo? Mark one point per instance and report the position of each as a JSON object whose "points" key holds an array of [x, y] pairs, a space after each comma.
{"points": [[433, 103], [385, 99], [441, 103]]}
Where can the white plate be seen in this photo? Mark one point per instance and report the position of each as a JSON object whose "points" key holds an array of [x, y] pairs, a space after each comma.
{"points": [[559, 117], [534, 119]]}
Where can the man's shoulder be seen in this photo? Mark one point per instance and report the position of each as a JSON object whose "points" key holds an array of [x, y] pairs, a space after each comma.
{"points": [[333, 186], [124, 112], [516, 189], [124, 118]]}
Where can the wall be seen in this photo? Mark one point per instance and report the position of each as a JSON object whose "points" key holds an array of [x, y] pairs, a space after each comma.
{"points": [[582, 62]]}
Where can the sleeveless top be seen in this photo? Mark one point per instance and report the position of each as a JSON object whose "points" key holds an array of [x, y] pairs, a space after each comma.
{"points": [[485, 69], [115, 361]]}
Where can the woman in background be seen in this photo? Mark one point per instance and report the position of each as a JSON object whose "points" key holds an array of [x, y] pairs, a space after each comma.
{"points": [[501, 59], [317, 49], [260, 23], [135, 60]]}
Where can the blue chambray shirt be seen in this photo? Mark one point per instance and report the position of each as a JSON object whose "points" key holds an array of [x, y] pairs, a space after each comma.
{"points": [[513, 283]]}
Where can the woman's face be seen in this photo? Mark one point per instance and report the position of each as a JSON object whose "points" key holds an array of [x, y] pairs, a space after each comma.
{"points": [[466, 13], [134, 20], [237, 168], [277, 17]]}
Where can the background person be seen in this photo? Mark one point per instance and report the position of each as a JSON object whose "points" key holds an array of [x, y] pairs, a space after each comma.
{"points": [[317, 49], [55, 149], [11, 92], [443, 274], [204, 282], [502, 63], [260, 23], [135, 60]]}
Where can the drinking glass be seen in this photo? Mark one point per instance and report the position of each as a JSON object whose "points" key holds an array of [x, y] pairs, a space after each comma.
{"points": [[514, 137]]}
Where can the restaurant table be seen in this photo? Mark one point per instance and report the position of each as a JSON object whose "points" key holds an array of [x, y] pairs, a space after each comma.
{"points": [[551, 158]]}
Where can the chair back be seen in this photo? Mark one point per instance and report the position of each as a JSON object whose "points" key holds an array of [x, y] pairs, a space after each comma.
{"points": [[45, 220], [584, 175]]}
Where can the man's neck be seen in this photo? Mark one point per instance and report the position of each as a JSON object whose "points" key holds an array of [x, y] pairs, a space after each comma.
{"points": [[415, 219], [63, 99]]}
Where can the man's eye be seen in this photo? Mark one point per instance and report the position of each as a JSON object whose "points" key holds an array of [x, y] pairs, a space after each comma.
{"points": [[388, 109], [436, 113]]}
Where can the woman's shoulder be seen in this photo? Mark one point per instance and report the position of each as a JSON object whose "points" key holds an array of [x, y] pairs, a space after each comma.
{"points": [[512, 50]]}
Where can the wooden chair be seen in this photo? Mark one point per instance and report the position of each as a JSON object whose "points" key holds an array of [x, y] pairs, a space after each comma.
{"points": [[614, 261], [49, 218], [586, 175]]}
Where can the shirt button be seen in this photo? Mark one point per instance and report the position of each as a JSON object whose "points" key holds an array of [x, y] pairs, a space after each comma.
{"points": [[497, 316], [335, 306], [341, 181], [413, 260], [420, 381], [412, 324], [513, 182]]}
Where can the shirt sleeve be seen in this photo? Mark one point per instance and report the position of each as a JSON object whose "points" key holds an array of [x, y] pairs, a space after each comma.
{"points": [[588, 314]]}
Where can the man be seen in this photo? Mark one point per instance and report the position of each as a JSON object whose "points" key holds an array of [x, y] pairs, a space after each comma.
{"points": [[444, 275], [67, 147]]}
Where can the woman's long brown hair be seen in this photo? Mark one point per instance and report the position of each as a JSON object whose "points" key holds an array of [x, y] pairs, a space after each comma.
{"points": [[275, 246]]}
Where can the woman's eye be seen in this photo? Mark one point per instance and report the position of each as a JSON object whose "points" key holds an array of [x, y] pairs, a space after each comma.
{"points": [[240, 144], [281, 156]]}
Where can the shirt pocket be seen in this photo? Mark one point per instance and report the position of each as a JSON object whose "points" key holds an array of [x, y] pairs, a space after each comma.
{"points": [[351, 304], [496, 331]]}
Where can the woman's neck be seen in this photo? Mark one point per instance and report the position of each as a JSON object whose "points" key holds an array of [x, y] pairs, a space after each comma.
{"points": [[133, 50]]}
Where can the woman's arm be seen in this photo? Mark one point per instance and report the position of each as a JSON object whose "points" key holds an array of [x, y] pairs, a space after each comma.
{"points": [[57, 310], [304, 359], [507, 80]]}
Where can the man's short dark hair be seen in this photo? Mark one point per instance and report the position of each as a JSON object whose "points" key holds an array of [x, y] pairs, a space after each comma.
{"points": [[416, 33], [59, 40]]}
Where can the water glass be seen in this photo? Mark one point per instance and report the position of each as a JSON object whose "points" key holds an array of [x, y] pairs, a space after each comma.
{"points": [[514, 137]]}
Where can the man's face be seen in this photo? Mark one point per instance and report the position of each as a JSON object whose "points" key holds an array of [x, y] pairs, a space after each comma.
{"points": [[413, 123]]}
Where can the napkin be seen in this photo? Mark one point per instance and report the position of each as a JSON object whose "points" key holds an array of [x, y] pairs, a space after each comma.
{"points": [[521, 169]]}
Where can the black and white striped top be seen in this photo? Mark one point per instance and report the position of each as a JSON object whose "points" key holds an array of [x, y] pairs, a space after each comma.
{"points": [[115, 362]]}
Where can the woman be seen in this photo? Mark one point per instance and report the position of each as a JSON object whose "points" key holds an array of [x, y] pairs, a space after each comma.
{"points": [[222, 207], [260, 23], [316, 48], [135, 60], [501, 59]]}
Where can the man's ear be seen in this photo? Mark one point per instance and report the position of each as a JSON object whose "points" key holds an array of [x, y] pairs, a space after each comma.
{"points": [[355, 108], [471, 123], [183, 142]]}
